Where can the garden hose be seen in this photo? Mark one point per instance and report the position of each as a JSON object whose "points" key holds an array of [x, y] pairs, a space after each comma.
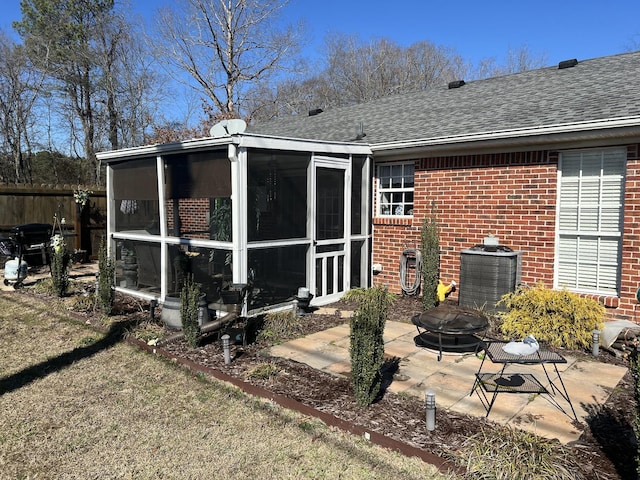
{"points": [[410, 258]]}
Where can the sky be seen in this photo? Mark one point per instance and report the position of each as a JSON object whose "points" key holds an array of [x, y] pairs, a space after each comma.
{"points": [[553, 30], [557, 29]]}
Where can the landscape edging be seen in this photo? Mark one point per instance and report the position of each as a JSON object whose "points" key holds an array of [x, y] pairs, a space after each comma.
{"points": [[377, 438]]}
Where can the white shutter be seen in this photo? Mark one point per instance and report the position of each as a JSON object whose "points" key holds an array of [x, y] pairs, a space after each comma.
{"points": [[590, 207]]}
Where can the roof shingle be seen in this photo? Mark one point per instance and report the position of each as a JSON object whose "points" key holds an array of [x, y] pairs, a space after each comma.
{"points": [[597, 89]]}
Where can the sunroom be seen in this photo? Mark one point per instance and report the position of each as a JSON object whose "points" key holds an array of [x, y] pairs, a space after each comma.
{"points": [[273, 217]]}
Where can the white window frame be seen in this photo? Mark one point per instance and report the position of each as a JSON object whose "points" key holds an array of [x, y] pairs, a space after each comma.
{"points": [[590, 220], [385, 187]]}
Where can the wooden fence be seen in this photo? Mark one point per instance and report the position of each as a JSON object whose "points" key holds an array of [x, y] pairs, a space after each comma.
{"points": [[21, 205]]}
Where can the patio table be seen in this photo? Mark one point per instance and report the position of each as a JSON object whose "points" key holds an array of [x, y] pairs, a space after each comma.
{"points": [[489, 385]]}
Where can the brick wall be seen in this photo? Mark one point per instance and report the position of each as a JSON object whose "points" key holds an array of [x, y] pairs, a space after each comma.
{"points": [[510, 195], [194, 217]]}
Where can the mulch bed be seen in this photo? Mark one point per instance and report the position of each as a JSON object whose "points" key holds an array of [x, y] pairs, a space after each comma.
{"points": [[606, 449]]}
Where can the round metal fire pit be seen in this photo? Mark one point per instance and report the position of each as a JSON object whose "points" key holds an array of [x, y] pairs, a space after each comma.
{"points": [[448, 327]]}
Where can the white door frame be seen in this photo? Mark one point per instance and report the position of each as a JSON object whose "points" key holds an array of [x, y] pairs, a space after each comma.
{"points": [[330, 289]]}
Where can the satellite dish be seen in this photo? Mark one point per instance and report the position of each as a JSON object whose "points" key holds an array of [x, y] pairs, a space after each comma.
{"points": [[236, 125], [219, 130], [228, 127]]}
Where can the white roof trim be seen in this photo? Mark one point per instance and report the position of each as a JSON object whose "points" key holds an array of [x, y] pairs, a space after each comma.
{"points": [[511, 134], [319, 146], [242, 140]]}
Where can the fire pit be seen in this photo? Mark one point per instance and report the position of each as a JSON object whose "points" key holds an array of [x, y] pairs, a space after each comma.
{"points": [[448, 327]]}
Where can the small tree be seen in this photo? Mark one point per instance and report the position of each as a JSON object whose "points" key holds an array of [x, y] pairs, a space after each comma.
{"points": [[189, 307], [430, 250], [60, 262], [106, 281], [367, 343]]}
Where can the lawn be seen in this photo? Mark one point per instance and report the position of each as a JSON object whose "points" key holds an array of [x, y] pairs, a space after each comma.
{"points": [[76, 403]]}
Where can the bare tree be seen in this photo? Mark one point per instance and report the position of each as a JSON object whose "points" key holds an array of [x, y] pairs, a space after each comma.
{"points": [[225, 47], [19, 88], [355, 71], [516, 60], [129, 83], [60, 37]]}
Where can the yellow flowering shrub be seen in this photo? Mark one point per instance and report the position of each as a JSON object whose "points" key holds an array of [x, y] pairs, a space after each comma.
{"points": [[557, 317]]}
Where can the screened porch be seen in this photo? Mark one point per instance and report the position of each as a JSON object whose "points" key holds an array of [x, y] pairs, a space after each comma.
{"points": [[265, 214]]}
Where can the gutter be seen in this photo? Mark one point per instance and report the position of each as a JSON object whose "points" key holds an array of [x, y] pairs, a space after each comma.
{"points": [[578, 129]]}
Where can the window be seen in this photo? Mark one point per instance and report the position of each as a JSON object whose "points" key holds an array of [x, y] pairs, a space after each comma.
{"points": [[276, 195], [590, 208], [135, 193], [395, 189]]}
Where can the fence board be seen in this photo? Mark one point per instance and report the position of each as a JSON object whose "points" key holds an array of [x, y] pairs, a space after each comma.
{"points": [[21, 204]]}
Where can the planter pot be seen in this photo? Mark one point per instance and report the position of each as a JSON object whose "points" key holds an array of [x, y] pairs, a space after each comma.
{"points": [[171, 312]]}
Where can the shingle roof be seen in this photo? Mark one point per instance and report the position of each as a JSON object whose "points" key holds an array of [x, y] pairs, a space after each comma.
{"points": [[597, 89]]}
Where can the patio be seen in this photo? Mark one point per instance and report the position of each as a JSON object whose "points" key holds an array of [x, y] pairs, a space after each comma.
{"points": [[588, 383]]}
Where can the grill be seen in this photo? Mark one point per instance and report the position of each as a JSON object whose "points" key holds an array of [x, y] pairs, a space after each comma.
{"points": [[31, 242]]}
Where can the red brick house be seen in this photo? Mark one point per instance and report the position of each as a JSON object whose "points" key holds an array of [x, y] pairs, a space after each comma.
{"points": [[546, 160]]}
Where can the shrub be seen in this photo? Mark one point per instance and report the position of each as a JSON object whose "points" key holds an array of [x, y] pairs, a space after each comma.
{"points": [[558, 317], [263, 371], [60, 263], [106, 279], [430, 252], [367, 344], [515, 454], [358, 294], [280, 326], [189, 307]]}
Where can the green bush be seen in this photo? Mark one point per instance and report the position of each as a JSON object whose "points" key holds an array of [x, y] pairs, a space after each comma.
{"points": [[358, 294], [430, 252], [60, 263], [189, 307], [558, 317], [367, 344], [279, 326], [106, 279]]}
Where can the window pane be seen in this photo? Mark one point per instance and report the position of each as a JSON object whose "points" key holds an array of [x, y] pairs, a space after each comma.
{"points": [[277, 195], [591, 196], [135, 189], [329, 203], [138, 265], [398, 192], [198, 192], [277, 273], [357, 258], [357, 198]]}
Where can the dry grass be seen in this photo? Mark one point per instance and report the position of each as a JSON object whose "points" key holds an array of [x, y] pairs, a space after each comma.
{"points": [[78, 404]]}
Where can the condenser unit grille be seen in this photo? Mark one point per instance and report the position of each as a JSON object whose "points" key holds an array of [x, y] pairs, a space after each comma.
{"points": [[486, 276]]}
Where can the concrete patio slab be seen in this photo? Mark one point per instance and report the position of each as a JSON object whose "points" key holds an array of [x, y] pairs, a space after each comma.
{"points": [[589, 383]]}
